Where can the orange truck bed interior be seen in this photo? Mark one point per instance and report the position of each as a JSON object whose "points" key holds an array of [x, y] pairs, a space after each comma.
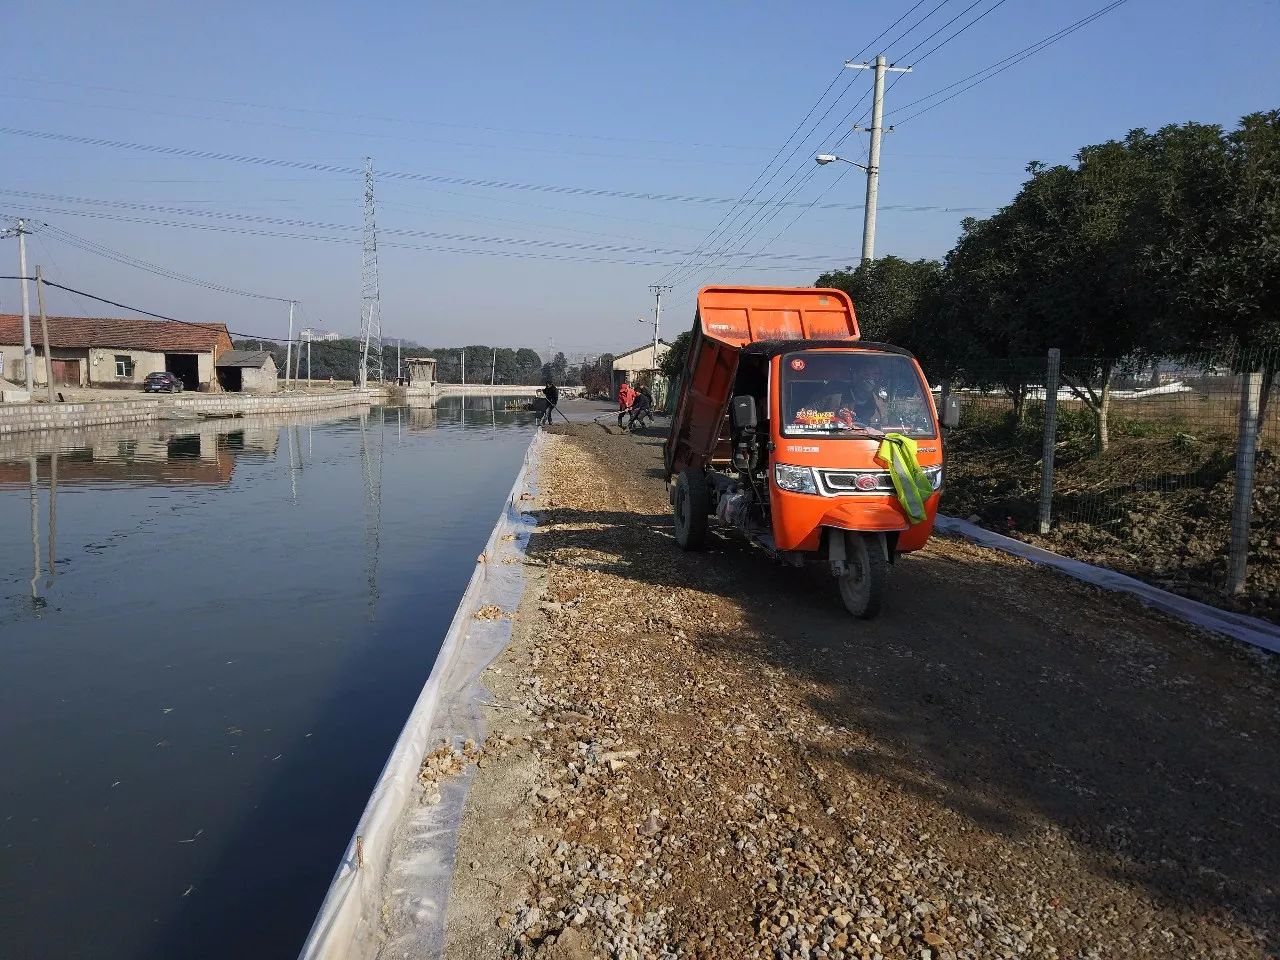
{"points": [[728, 318]]}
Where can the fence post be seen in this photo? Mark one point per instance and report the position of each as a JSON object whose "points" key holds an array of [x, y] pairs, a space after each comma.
{"points": [[1051, 376], [1246, 454]]}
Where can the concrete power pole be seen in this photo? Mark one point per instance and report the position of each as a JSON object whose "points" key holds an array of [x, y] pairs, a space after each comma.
{"points": [[288, 348], [881, 67], [20, 231], [397, 360], [44, 330], [658, 290], [462, 358], [493, 370]]}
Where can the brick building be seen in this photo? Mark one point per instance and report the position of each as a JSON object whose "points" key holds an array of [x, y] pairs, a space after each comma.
{"points": [[107, 352]]}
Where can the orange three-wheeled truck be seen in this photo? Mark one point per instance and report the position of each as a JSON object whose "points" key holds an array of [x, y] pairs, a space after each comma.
{"points": [[779, 430]]}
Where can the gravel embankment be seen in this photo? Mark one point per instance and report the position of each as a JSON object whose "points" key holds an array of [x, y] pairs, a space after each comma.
{"points": [[705, 757]]}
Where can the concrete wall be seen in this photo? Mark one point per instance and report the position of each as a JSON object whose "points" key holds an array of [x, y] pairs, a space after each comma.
{"points": [[259, 379], [102, 365], [98, 365], [21, 417], [11, 363]]}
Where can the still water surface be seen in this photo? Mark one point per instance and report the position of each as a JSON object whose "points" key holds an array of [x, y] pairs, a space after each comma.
{"points": [[210, 636]]}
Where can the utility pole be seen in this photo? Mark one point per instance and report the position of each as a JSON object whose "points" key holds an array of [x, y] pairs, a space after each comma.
{"points": [[658, 290], [493, 371], [309, 331], [398, 340], [881, 67], [462, 357], [288, 349], [19, 230], [44, 331]]}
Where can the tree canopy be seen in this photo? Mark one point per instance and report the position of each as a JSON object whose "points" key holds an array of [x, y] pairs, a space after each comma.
{"points": [[1158, 245]]}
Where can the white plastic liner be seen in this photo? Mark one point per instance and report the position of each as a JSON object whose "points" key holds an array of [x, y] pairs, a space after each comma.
{"points": [[397, 831], [1250, 630]]}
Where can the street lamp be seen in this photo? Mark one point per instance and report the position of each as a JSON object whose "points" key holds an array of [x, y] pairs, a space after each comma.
{"points": [[823, 159], [869, 212]]}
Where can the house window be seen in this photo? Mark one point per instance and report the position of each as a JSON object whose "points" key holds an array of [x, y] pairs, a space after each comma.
{"points": [[124, 366]]}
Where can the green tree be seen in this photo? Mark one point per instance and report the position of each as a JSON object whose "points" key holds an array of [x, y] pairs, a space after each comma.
{"points": [[528, 365], [672, 363], [889, 296]]}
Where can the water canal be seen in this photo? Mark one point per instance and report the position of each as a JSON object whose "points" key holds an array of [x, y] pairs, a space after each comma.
{"points": [[210, 636]]}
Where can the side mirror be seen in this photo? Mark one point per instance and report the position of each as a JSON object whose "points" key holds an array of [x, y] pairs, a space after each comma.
{"points": [[743, 412], [951, 413]]}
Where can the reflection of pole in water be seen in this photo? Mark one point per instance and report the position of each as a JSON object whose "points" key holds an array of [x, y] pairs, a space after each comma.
{"points": [[371, 467], [35, 530], [53, 514], [293, 472]]}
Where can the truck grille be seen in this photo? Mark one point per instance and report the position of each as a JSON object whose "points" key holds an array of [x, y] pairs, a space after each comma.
{"points": [[834, 483]]}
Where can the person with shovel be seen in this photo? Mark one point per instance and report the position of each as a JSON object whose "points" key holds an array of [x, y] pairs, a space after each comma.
{"points": [[552, 394]]}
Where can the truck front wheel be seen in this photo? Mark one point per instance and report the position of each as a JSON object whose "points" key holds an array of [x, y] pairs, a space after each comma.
{"points": [[866, 575], [691, 506]]}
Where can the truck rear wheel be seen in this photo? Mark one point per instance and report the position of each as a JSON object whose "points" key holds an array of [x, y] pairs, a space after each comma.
{"points": [[866, 576], [690, 506]]}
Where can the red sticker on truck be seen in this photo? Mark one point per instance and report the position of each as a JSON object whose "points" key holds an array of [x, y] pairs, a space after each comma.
{"points": [[797, 364]]}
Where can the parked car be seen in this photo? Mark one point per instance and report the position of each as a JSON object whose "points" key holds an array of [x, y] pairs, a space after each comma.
{"points": [[161, 383]]}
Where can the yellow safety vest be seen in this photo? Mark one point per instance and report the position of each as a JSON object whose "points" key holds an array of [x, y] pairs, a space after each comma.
{"points": [[898, 454]]}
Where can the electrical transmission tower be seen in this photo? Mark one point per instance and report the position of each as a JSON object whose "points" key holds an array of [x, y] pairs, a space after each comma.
{"points": [[370, 294]]}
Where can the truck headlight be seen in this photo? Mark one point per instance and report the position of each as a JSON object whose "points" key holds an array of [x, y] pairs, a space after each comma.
{"points": [[794, 479], [935, 476]]}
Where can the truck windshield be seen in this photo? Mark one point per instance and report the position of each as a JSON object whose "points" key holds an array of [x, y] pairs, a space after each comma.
{"points": [[853, 393]]}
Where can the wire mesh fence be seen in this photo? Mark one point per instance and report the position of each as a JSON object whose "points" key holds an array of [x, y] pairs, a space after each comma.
{"points": [[1145, 463]]}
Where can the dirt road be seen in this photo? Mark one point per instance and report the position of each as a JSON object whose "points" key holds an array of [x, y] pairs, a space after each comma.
{"points": [[709, 758]]}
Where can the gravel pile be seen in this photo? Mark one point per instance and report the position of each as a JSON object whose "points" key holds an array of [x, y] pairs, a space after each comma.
{"points": [[723, 773]]}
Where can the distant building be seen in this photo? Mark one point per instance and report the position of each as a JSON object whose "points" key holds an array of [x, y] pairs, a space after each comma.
{"points": [[247, 371], [627, 368], [106, 352], [419, 371]]}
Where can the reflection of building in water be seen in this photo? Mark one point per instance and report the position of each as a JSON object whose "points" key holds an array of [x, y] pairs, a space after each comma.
{"points": [[201, 452], [422, 418], [204, 457]]}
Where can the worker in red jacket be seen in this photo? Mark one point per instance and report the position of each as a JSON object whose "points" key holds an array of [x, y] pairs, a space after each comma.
{"points": [[626, 397]]}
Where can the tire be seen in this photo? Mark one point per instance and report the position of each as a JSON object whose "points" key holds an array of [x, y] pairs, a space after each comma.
{"points": [[690, 506], [863, 586]]}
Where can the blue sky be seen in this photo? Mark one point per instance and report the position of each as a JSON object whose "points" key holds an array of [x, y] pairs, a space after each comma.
{"points": [[668, 98]]}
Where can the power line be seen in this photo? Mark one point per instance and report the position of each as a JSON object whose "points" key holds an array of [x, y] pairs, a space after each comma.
{"points": [[363, 116], [767, 166], [921, 43], [1010, 61], [915, 26], [717, 230], [193, 154], [427, 248], [101, 250], [686, 157], [262, 219], [942, 43]]}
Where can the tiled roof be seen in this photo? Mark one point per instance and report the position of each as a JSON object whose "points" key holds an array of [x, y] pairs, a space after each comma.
{"points": [[79, 333], [244, 358]]}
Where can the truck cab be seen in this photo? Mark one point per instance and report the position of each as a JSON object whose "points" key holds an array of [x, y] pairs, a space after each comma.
{"points": [[781, 428]]}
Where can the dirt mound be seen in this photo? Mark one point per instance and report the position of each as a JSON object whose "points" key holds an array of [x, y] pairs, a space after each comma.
{"points": [[1158, 509]]}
